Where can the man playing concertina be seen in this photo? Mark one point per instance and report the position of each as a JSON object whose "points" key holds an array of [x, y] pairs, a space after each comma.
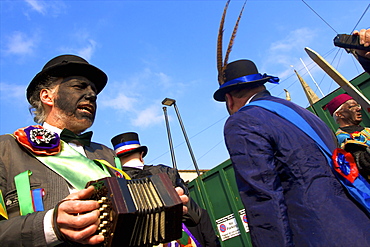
{"points": [[54, 161]]}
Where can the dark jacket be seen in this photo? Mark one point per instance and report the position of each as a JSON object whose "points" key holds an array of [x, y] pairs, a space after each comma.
{"points": [[204, 232], [14, 159], [289, 192]]}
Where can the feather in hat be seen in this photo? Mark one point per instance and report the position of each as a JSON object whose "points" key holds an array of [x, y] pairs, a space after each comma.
{"points": [[221, 65]]}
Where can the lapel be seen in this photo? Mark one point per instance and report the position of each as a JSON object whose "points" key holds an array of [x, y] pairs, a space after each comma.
{"points": [[90, 153]]}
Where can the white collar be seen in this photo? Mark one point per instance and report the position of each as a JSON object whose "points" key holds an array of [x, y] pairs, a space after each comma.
{"points": [[51, 128], [134, 163], [54, 129], [249, 100]]}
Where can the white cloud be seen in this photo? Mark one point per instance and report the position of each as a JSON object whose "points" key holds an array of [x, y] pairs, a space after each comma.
{"points": [[18, 43], [39, 6], [10, 91], [82, 44], [148, 117], [296, 39], [285, 52], [120, 102], [164, 79], [133, 97], [50, 8], [155, 78], [87, 51]]}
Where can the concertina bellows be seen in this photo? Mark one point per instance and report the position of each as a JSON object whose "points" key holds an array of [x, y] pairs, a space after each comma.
{"points": [[139, 212]]}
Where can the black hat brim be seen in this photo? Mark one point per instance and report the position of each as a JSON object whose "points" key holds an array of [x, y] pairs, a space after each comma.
{"points": [[136, 150], [219, 95], [95, 75]]}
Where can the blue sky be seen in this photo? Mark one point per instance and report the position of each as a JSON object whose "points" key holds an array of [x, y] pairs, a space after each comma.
{"points": [[151, 50]]}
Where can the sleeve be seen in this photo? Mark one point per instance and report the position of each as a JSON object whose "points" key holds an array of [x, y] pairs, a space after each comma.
{"points": [[365, 63], [363, 162], [342, 137], [25, 230], [252, 146], [194, 214], [208, 233], [177, 180], [192, 218]]}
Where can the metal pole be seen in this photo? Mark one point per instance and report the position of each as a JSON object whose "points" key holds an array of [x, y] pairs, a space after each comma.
{"points": [[187, 140], [317, 85], [169, 138]]}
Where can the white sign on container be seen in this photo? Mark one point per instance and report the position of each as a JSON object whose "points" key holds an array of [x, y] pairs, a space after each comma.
{"points": [[227, 227]]}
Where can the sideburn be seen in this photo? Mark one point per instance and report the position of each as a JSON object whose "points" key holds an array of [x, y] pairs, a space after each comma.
{"points": [[65, 105]]}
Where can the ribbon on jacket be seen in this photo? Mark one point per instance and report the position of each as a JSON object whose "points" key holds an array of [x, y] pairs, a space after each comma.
{"points": [[74, 167], [359, 189], [3, 212]]}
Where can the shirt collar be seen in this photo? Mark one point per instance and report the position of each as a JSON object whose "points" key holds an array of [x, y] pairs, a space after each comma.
{"points": [[134, 163], [51, 128], [249, 100]]}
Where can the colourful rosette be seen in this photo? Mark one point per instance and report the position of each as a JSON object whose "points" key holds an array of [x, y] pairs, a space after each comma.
{"points": [[38, 140], [345, 164]]}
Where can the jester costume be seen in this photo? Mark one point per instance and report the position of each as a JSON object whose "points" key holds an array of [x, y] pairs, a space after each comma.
{"points": [[356, 140], [353, 134]]}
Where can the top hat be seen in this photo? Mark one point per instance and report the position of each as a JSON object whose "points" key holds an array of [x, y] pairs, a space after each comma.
{"points": [[336, 102], [241, 74], [128, 143], [69, 65]]}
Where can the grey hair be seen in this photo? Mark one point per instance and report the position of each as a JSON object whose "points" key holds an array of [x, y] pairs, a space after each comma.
{"points": [[337, 110], [36, 106]]}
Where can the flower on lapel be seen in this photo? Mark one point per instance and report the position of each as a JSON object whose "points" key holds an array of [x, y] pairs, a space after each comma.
{"points": [[38, 140]]}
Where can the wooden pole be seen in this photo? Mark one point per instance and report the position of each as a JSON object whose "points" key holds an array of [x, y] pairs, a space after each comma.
{"points": [[338, 78]]}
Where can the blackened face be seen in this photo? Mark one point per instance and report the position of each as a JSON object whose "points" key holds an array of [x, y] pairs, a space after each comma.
{"points": [[351, 113], [76, 99]]}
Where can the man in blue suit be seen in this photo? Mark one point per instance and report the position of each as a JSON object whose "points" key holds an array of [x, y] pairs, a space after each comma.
{"points": [[289, 191]]}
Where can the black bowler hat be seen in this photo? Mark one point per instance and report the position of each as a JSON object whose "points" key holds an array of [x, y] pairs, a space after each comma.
{"points": [[241, 74], [69, 65], [127, 143]]}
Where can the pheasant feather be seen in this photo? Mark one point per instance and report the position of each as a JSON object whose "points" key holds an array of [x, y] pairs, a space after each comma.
{"points": [[220, 65], [233, 37]]}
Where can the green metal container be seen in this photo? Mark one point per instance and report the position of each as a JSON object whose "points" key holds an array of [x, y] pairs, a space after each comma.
{"points": [[217, 192]]}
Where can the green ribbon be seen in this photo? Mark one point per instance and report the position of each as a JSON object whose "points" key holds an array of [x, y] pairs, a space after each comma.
{"points": [[22, 184], [3, 213], [74, 167], [117, 162]]}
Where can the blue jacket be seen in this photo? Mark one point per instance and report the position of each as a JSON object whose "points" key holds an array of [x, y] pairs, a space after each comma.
{"points": [[289, 192]]}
